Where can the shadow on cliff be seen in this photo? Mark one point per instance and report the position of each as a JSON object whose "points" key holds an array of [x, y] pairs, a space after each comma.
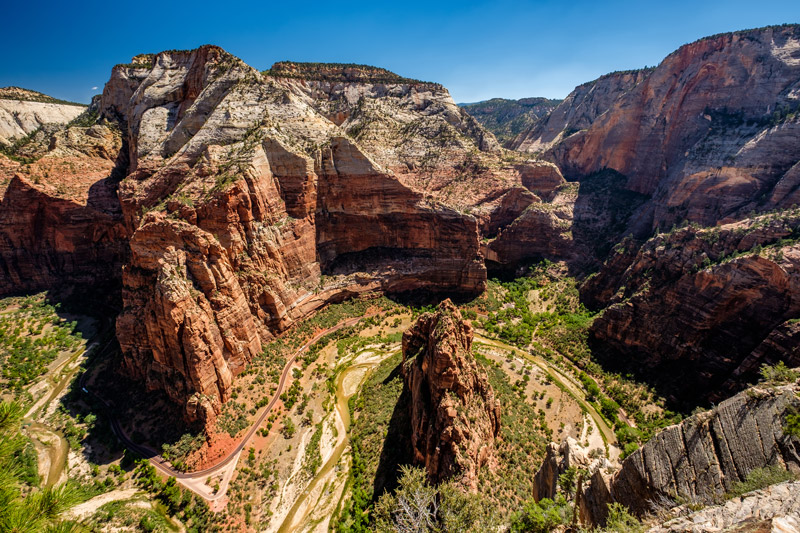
{"points": [[396, 446], [99, 392]]}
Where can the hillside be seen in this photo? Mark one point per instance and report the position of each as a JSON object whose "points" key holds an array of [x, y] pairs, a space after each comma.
{"points": [[508, 118], [23, 111]]}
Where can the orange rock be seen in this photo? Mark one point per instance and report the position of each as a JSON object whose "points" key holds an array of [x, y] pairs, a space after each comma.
{"points": [[454, 414]]}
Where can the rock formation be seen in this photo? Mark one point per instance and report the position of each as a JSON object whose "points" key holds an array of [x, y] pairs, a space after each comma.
{"points": [[710, 133], [559, 459], [22, 112], [227, 193], [775, 508], [60, 217], [701, 458], [454, 415], [717, 302], [55, 242], [577, 111]]}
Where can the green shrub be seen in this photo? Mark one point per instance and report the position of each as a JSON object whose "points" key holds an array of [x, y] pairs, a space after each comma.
{"points": [[759, 478], [792, 426], [542, 516], [779, 373], [621, 521]]}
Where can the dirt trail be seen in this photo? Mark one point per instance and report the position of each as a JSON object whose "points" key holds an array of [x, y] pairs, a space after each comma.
{"points": [[52, 450], [88, 508], [347, 384], [567, 381]]}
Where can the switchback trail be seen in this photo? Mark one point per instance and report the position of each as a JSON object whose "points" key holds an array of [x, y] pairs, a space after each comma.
{"points": [[165, 467]]}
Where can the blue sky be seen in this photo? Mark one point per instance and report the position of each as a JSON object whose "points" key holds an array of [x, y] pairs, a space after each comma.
{"points": [[478, 50]]}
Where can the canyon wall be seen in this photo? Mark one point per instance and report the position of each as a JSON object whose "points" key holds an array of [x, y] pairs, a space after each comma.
{"points": [[715, 302], [710, 133], [60, 217], [577, 111], [240, 195]]}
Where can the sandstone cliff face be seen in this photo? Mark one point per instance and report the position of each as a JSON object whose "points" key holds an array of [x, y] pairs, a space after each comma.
{"points": [[20, 117], [577, 111], [415, 130], [240, 194], [55, 242], [717, 302], [709, 134], [60, 223], [454, 415], [701, 458]]}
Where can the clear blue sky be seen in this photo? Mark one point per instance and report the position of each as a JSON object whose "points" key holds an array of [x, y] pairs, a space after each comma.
{"points": [[478, 50]]}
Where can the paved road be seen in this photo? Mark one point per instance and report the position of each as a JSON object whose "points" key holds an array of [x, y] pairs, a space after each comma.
{"points": [[164, 466]]}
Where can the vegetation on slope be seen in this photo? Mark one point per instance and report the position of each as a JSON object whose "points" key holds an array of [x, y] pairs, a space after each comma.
{"points": [[23, 508], [27, 95], [32, 335], [338, 72], [541, 313], [508, 118]]}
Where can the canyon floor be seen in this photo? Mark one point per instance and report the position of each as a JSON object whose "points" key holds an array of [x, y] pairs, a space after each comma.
{"points": [[281, 455]]}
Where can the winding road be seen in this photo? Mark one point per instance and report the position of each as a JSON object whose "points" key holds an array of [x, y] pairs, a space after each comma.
{"points": [[195, 481]]}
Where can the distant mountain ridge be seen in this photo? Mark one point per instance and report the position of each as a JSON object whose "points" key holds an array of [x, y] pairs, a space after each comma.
{"points": [[23, 111], [508, 118]]}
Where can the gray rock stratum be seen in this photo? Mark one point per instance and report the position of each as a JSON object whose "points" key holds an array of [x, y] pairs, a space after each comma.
{"points": [[700, 459]]}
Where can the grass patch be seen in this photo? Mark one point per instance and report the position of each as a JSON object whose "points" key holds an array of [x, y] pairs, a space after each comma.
{"points": [[520, 448], [372, 411]]}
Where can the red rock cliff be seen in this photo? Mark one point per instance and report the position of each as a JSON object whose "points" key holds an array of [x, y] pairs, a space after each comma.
{"points": [[710, 133], [240, 195]]}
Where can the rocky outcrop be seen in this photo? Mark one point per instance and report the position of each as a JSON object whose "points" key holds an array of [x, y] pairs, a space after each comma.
{"points": [[774, 509], [725, 301], [22, 112], [710, 134], [577, 111], [454, 414], [703, 457], [559, 459]]}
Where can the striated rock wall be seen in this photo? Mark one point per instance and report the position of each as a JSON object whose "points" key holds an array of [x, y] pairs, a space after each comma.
{"points": [[55, 242], [701, 458], [709, 134], [454, 414], [577, 111]]}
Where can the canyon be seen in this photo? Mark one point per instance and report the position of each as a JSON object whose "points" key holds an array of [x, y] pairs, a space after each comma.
{"points": [[215, 209]]}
